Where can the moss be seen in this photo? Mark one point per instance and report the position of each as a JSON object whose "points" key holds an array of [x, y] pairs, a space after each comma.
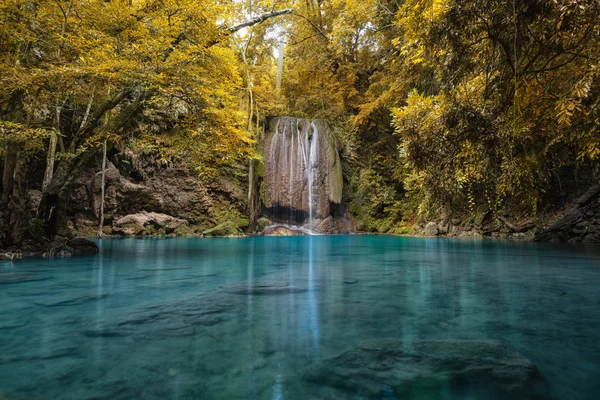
{"points": [[150, 230], [262, 223], [183, 230], [132, 229], [228, 228], [384, 227], [336, 180]]}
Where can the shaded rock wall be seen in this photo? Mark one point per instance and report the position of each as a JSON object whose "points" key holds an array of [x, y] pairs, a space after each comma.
{"points": [[580, 223], [303, 172], [137, 184]]}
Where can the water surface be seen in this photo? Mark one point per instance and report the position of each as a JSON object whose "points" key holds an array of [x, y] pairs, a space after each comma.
{"points": [[187, 318]]}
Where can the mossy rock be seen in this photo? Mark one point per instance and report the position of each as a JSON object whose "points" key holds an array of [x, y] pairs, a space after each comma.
{"points": [[184, 230], [262, 223], [227, 228], [131, 229], [384, 227], [243, 222]]}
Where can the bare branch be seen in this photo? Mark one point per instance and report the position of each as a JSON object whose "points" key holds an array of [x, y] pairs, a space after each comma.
{"points": [[259, 19]]}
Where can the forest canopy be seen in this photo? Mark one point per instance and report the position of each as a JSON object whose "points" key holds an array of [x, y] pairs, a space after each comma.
{"points": [[458, 106]]}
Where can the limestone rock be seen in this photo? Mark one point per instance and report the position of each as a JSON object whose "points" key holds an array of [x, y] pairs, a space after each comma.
{"points": [[431, 369], [129, 229], [281, 230], [144, 218], [326, 226], [431, 229]]}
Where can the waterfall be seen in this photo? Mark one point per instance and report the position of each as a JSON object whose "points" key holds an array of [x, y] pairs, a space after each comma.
{"points": [[301, 161]]}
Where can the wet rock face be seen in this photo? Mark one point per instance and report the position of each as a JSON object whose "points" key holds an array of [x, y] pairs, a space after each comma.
{"points": [[62, 247], [581, 223], [137, 183], [280, 230], [134, 224], [394, 368], [303, 172]]}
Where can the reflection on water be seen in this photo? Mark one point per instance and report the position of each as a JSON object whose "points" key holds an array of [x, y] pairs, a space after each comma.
{"points": [[301, 318]]}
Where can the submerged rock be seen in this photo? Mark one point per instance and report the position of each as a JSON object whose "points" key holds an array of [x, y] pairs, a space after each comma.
{"points": [[431, 369], [61, 247], [73, 301], [19, 277], [263, 288]]}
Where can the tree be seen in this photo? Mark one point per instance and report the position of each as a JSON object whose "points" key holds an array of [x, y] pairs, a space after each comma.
{"points": [[95, 70]]}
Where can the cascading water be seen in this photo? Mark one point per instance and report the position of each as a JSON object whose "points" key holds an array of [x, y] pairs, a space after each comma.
{"points": [[302, 175]]}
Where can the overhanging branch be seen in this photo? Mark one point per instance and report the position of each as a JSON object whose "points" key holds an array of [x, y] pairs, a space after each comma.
{"points": [[259, 19]]}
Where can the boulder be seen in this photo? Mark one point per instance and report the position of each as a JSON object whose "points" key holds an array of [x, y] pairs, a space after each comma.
{"points": [[431, 369], [262, 223], [83, 246], [129, 230], [62, 247], [227, 228], [431, 229], [326, 226], [10, 256], [281, 230], [134, 224]]}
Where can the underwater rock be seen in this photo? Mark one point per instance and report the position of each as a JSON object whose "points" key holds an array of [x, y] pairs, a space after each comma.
{"points": [[105, 332], [431, 369], [263, 288], [52, 355], [20, 277], [61, 247], [73, 301], [12, 325]]}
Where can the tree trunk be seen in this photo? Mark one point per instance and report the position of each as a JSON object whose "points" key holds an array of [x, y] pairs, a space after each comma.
{"points": [[279, 71], [251, 208], [53, 205], [50, 160], [15, 212], [10, 162], [101, 224]]}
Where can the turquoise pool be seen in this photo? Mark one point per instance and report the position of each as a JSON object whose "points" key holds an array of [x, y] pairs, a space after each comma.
{"points": [[288, 318]]}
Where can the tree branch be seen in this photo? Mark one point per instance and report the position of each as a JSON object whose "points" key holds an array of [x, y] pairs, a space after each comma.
{"points": [[259, 19]]}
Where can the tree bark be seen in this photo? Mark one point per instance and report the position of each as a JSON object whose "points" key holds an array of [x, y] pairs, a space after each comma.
{"points": [[50, 160], [53, 208], [10, 162], [14, 207], [279, 71], [101, 224]]}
